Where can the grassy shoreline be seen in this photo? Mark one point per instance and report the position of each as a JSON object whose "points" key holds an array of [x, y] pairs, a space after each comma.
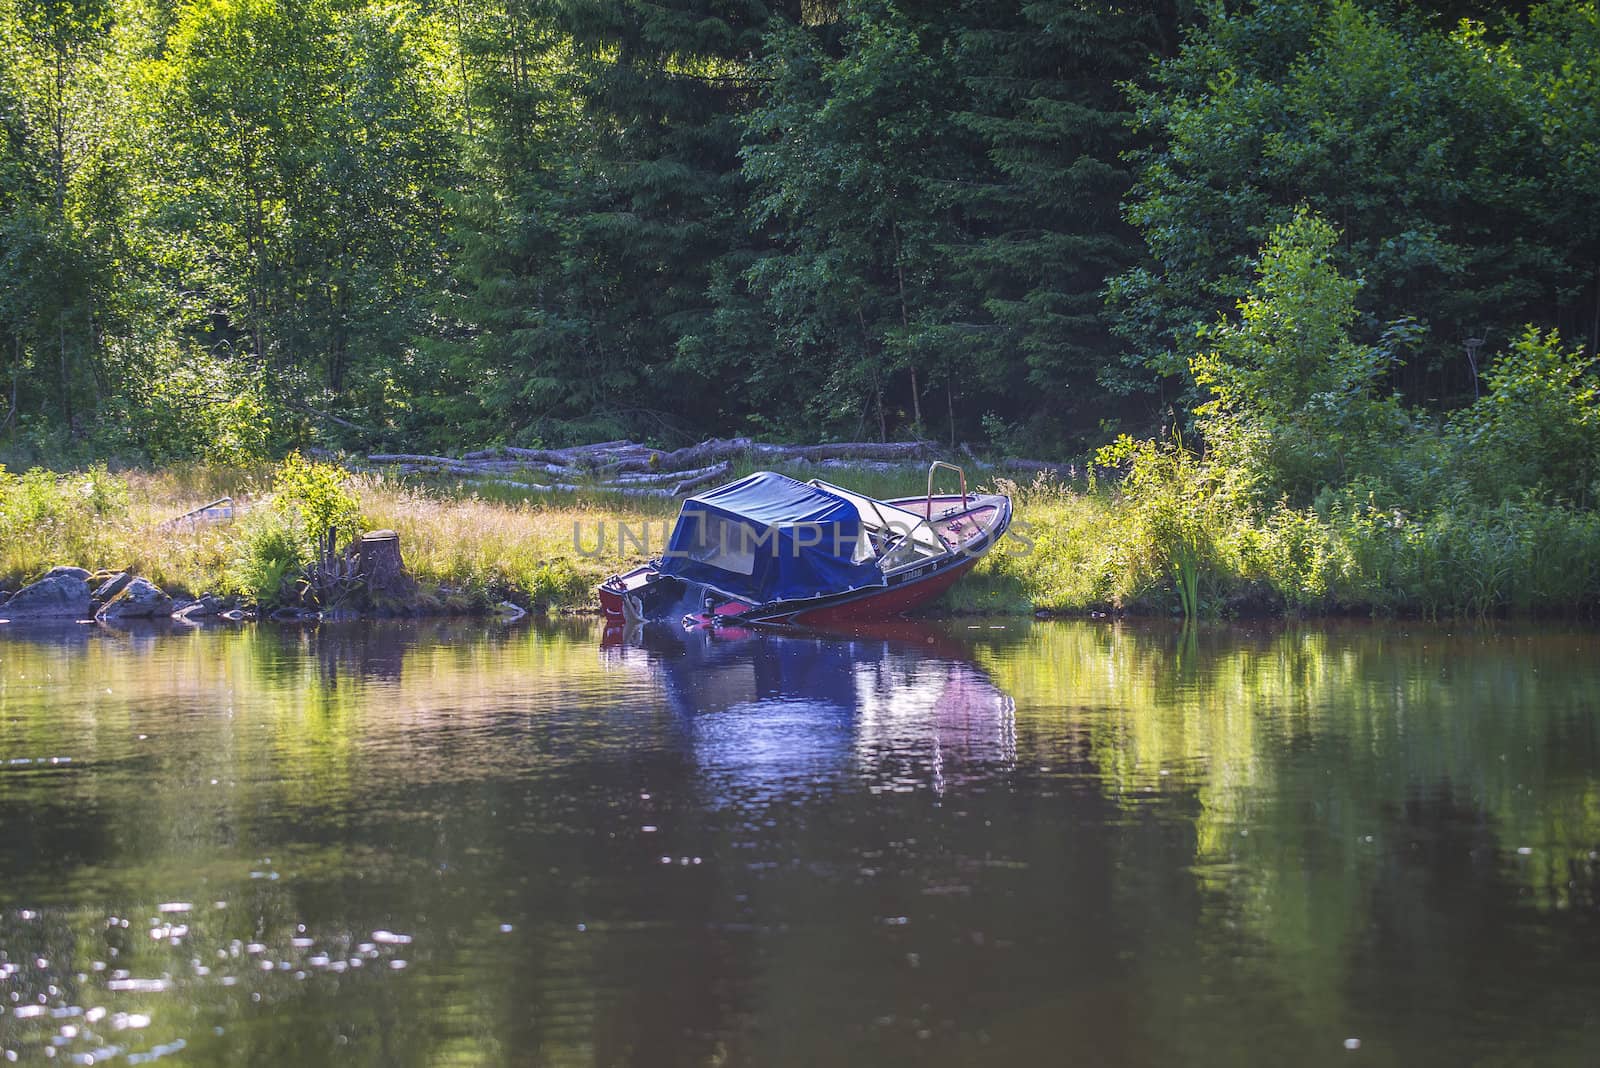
{"points": [[1075, 549]]}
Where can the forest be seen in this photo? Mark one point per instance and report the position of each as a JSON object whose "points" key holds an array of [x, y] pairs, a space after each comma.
{"points": [[232, 226], [1300, 280]]}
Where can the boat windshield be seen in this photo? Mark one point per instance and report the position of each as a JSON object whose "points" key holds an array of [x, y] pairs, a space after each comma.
{"points": [[892, 535], [719, 542]]}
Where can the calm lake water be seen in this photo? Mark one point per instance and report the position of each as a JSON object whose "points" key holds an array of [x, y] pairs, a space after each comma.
{"points": [[973, 844]]}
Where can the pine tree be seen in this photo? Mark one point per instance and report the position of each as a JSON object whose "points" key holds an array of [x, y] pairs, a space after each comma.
{"points": [[1043, 215], [616, 191]]}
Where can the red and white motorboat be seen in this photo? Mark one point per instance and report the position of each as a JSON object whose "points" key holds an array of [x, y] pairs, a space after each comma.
{"points": [[772, 549]]}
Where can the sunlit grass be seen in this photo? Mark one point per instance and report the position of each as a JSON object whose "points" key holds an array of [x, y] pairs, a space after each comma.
{"points": [[449, 536], [1074, 547], [477, 543]]}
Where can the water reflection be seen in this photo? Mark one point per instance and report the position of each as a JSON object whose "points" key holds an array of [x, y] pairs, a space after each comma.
{"points": [[767, 712], [938, 845]]}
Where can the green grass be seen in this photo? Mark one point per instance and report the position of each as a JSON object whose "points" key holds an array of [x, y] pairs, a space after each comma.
{"points": [[1170, 546]]}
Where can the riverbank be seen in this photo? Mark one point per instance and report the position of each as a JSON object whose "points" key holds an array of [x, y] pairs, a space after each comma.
{"points": [[466, 549], [1076, 548]]}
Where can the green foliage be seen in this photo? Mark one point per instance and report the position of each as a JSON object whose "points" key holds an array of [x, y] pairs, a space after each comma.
{"points": [[939, 185], [1537, 427], [268, 555], [275, 546], [1294, 399], [1433, 146], [35, 501], [48, 519], [1175, 510], [198, 407], [605, 204], [315, 500], [841, 158]]}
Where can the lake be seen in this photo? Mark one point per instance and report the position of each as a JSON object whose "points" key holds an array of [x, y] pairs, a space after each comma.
{"points": [[982, 842]]}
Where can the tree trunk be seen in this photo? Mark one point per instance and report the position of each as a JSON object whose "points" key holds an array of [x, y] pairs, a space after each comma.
{"points": [[1594, 327], [883, 425], [950, 404], [905, 323], [66, 383]]}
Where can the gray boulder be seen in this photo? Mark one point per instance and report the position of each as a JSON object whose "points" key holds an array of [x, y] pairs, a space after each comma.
{"points": [[63, 593], [207, 605], [112, 586], [139, 599], [62, 571]]}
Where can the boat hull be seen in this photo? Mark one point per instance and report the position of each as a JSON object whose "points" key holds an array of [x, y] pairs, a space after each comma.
{"points": [[869, 606]]}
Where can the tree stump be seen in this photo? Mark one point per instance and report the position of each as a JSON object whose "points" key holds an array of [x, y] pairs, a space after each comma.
{"points": [[381, 570]]}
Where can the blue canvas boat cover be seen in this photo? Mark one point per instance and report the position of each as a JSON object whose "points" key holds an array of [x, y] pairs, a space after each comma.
{"points": [[769, 538]]}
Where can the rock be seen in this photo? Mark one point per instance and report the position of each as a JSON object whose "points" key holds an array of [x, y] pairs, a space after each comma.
{"points": [[236, 615], [63, 593], [295, 615], [68, 572], [207, 605], [112, 586], [139, 599], [4, 596]]}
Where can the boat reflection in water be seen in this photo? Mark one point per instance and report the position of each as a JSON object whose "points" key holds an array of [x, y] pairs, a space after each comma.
{"points": [[900, 705]]}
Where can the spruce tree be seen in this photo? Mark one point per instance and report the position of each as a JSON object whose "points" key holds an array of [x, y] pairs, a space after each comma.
{"points": [[1042, 213], [613, 201]]}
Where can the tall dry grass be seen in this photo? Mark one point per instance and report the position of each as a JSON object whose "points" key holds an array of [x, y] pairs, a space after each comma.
{"points": [[449, 537]]}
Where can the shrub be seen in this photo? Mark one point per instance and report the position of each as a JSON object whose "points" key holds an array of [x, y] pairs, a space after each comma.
{"points": [[1177, 517], [1294, 398], [268, 555], [312, 505], [1537, 427], [315, 498]]}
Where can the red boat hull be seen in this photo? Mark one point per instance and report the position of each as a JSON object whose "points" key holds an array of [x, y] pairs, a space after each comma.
{"points": [[870, 606]]}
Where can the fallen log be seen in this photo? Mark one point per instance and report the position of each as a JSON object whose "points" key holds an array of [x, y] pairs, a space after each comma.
{"points": [[851, 450], [867, 465], [561, 487], [409, 458], [547, 456], [602, 446], [718, 449], [710, 474], [713, 451], [480, 467], [627, 468], [673, 477]]}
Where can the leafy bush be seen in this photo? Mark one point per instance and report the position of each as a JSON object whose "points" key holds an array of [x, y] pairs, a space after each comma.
{"points": [[315, 498], [311, 501], [1537, 427], [267, 556], [1294, 399]]}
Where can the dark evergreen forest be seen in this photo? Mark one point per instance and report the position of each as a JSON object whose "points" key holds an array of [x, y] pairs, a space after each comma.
{"points": [[228, 227]]}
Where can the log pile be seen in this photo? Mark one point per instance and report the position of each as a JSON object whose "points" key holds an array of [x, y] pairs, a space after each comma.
{"points": [[631, 469]]}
